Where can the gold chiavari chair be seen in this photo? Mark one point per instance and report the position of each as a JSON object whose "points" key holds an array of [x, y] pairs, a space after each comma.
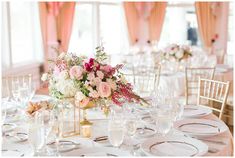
{"points": [[146, 79], [213, 91], [191, 82]]}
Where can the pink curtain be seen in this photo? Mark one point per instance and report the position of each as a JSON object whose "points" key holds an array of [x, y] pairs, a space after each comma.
{"points": [[221, 28], [144, 20], [156, 20], [206, 22], [64, 24], [56, 24], [132, 21]]}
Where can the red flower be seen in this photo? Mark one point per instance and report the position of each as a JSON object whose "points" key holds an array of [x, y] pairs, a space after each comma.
{"points": [[88, 67]]}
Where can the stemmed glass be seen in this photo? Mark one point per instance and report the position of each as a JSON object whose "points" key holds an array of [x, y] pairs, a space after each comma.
{"points": [[48, 123], [116, 130], [36, 132]]}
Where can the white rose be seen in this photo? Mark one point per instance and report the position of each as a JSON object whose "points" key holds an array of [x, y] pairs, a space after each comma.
{"points": [[171, 52], [179, 54], [64, 75], [62, 55], [80, 96], [44, 77]]}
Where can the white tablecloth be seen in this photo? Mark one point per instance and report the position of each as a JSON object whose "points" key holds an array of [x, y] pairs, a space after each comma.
{"points": [[100, 127]]}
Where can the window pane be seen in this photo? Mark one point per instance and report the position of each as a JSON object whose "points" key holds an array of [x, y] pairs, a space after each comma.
{"points": [[181, 29], [81, 41], [113, 29], [21, 20]]}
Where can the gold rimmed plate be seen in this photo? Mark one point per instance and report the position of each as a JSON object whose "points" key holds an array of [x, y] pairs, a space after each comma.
{"points": [[174, 146], [200, 127], [195, 111]]}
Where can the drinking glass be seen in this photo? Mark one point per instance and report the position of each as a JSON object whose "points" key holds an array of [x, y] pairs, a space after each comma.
{"points": [[164, 120], [15, 85], [116, 132], [4, 111], [48, 122], [36, 133]]}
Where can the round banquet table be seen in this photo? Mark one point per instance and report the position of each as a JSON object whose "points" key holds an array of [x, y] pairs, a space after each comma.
{"points": [[99, 128], [176, 80]]}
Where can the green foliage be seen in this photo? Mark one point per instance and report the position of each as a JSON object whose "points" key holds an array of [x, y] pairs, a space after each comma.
{"points": [[100, 55]]}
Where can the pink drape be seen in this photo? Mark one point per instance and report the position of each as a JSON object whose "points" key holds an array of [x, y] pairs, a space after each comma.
{"points": [[64, 24], [221, 28], [206, 22], [56, 24], [132, 21], [156, 20], [144, 20]]}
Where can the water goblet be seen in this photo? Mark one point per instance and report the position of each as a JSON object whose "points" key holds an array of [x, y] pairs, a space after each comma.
{"points": [[36, 133], [116, 132]]}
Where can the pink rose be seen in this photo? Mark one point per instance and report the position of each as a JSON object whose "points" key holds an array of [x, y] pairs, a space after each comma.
{"points": [[90, 76], [112, 84], [84, 102], [96, 81], [100, 74], [76, 72], [106, 68], [104, 89]]}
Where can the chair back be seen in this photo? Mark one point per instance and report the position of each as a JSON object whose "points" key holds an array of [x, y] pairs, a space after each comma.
{"points": [[213, 91], [191, 80], [146, 79]]}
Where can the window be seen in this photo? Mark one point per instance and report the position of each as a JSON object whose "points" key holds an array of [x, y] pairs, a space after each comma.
{"points": [[92, 25], [21, 33], [231, 39], [176, 30]]}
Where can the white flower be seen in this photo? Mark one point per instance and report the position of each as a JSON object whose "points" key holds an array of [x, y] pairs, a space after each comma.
{"points": [[179, 54], [62, 55], [63, 75], [123, 79], [100, 74], [171, 52], [66, 87], [94, 94], [44, 77], [79, 96]]}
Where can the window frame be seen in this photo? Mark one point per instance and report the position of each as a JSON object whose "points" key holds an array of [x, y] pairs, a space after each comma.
{"points": [[7, 59]]}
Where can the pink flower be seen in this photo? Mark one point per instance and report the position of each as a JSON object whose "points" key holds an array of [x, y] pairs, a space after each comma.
{"points": [[56, 71], [112, 84], [84, 102], [100, 74], [90, 76], [76, 72], [96, 81], [106, 68], [104, 89], [94, 94]]}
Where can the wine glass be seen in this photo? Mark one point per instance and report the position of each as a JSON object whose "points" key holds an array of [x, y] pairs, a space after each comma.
{"points": [[36, 132], [15, 85], [116, 132], [48, 122]]}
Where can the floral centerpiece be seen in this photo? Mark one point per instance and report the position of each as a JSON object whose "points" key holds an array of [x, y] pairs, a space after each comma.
{"points": [[90, 81], [176, 52]]}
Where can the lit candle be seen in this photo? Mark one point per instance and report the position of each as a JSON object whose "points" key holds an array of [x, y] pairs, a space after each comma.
{"points": [[86, 131]]}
